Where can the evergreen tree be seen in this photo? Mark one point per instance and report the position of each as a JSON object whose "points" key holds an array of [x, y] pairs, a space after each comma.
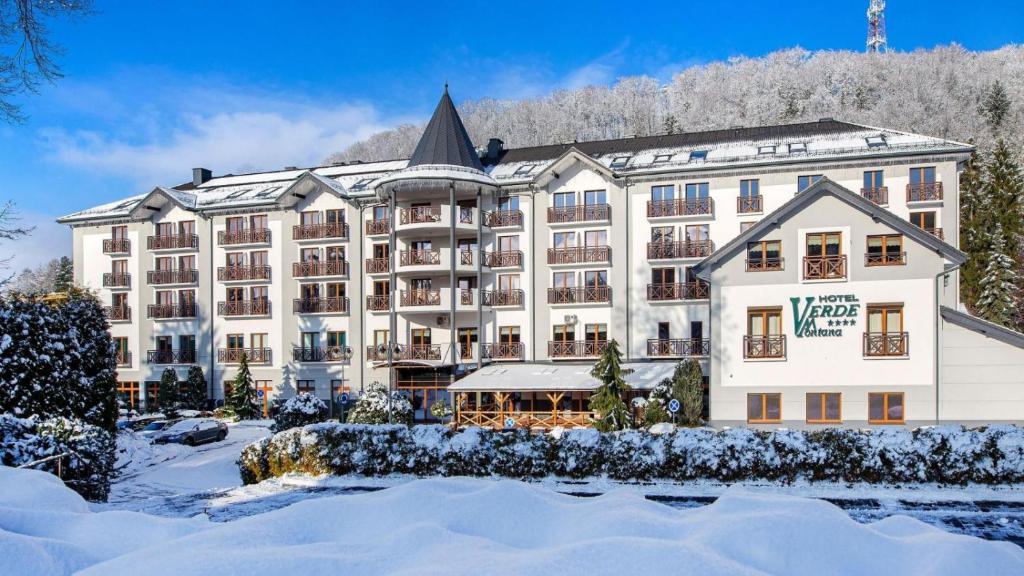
{"points": [[607, 401], [167, 393], [1003, 191], [671, 124], [998, 291], [974, 225], [995, 106], [688, 388], [65, 275], [242, 402], [195, 389], [372, 407]]}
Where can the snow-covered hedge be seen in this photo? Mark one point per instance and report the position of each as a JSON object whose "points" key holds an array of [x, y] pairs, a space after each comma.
{"points": [[89, 467], [944, 454], [300, 410]]}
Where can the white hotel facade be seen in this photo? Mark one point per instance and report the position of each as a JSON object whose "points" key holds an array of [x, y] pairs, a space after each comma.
{"points": [[810, 268]]}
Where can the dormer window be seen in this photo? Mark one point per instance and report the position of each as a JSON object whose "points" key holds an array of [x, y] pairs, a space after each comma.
{"points": [[698, 156], [524, 169], [798, 148], [765, 150], [620, 161], [876, 141], [662, 158]]}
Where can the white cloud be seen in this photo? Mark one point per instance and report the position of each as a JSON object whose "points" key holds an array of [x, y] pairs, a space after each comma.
{"points": [[49, 240], [599, 71]]}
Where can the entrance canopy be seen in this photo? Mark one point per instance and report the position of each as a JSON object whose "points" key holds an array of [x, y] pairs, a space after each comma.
{"points": [[556, 377]]}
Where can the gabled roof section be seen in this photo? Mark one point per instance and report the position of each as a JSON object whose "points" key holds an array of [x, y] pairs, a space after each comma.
{"points": [[565, 161], [160, 196], [826, 187], [983, 327], [445, 140]]}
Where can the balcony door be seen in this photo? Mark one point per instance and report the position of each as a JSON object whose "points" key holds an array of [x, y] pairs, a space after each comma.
{"points": [[164, 264], [335, 216], [696, 330], [765, 322], [697, 192], [235, 259], [564, 199], [381, 251], [564, 333], [824, 244], [236, 341], [508, 243], [335, 253], [697, 233], [309, 291], [420, 336], [165, 229], [164, 346], [165, 298], [663, 276], [307, 219], [663, 193], [596, 333], [381, 287], [508, 334], [310, 340], [924, 175], [885, 319], [420, 245], [664, 331], [119, 300], [119, 232], [420, 284], [234, 224], [236, 294], [119, 267], [595, 238], [508, 203], [923, 220], [595, 198], [380, 213], [564, 240]]}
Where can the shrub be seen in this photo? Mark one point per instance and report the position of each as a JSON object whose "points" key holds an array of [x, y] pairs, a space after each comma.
{"points": [[300, 410], [372, 407]]}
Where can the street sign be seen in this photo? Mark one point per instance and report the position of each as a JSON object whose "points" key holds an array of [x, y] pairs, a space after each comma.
{"points": [[259, 393], [673, 405], [344, 397], [510, 422]]}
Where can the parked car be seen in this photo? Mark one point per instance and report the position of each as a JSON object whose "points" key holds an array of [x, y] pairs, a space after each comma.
{"points": [[193, 431], [156, 428]]}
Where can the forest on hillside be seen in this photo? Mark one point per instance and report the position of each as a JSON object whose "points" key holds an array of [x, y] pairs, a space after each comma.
{"points": [[940, 92]]}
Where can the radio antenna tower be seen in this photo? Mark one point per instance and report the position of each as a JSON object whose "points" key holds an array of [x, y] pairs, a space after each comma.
{"points": [[876, 26]]}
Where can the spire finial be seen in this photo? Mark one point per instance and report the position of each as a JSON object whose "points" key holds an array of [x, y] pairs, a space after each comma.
{"points": [[445, 86]]}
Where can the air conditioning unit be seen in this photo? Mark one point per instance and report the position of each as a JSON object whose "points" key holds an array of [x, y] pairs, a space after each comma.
{"points": [[570, 319]]}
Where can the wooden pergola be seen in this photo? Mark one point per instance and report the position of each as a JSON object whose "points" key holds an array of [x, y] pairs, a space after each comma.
{"points": [[504, 415]]}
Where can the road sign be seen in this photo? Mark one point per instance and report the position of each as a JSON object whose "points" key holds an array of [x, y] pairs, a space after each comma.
{"points": [[510, 422], [259, 393], [673, 405], [344, 397]]}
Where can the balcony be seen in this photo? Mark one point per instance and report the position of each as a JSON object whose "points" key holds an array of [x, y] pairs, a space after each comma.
{"points": [[468, 298], [378, 303], [924, 192], [186, 356], [680, 207], [378, 227], [420, 215], [123, 358], [576, 348], [879, 194], [421, 298], [885, 259], [584, 213], [157, 277], [173, 242], [378, 265], [117, 246], [333, 230], [580, 295], [244, 308], [505, 219], [116, 280], [170, 311], [505, 351], [579, 254], [118, 313], [682, 291], [764, 347], [505, 259], [320, 354], [316, 268], [244, 236], [825, 267], [333, 305], [242, 273], [412, 352], [420, 257], [937, 232], [466, 258], [252, 355], [510, 297], [886, 344], [682, 249], [749, 204], [765, 264], [678, 347]]}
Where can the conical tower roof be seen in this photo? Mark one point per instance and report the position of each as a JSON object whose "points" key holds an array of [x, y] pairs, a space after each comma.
{"points": [[445, 140]]}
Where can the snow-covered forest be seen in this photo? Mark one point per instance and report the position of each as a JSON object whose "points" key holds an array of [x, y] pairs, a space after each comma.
{"points": [[940, 92]]}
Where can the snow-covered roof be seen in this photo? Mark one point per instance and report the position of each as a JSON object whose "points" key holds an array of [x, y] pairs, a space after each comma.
{"points": [[556, 377]]}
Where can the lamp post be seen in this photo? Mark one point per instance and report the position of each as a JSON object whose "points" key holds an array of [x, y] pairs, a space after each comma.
{"points": [[392, 349], [345, 355]]}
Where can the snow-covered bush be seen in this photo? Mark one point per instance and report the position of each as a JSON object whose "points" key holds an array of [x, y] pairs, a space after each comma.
{"points": [[300, 410], [945, 454], [372, 407], [87, 469]]}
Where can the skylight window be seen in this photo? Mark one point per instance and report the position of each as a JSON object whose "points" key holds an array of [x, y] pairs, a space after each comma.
{"points": [[124, 204], [267, 192], [798, 148], [698, 155], [363, 182], [236, 194], [524, 169], [620, 161], [765, 150], [662, 158], [876, 141]]}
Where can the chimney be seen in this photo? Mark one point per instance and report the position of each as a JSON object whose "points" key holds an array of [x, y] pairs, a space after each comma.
{"points": [[200, 175]]}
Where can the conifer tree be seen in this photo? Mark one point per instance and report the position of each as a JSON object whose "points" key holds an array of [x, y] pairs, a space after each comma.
{"points": [[167, 393], [995, 106], [1003, 191], [997, 301], [195, 389], [242, 402], [974, 224], [607, 401], [65, 275]]}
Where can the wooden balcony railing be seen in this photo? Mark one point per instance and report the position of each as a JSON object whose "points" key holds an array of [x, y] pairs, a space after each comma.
{"points": [[749, 204], [320, 354], [498, 419], [924, 192], [576, 348], [378, 265], [678, 347], [420, 257], [681, 249], [680, 207], [419, 215], [312, 268], [123, 357], [824, 267], [466, 257], [579, 294], [173, 241], [504, 218], [407, 352], [505, 259], [185, 356], [336, 230], [244, 236], [117, 246], [681, 291], [172, 276], [879, 194], [508, 297], [334, 305], [466, 297], [466, 215], [236, 273], [421, 298], [118, 313], [773, 346], [886, 343], [885, 259], [164, 311], [765, 264], [579, 254], [244, 308], [252, 355], [583, 213], [116, 280], [378, 303], [937, 232], [505, 351], [378, 227]]}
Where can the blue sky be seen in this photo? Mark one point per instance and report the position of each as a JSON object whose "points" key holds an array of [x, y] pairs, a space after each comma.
{"points": [[153, 89]]}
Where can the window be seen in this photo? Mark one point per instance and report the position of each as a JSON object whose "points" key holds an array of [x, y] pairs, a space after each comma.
{"points": [[187, 228], [885, 250], [307, 219], [259, 341], [121, 351], [335, 216], [420, 336], [119, 233], [596, 279], [765, 150], [380, 213], [508, 282], [119, 267], [764, 408], [467, 338], [259, 293], [335, 289], [824, 408], [764, 255], [697, 233], [805, 182], [764, 337], [596, 332], [164, 264], [563, 279], [236, 341], [885, 408], [508, 203], [165, 229], [698, 155], [620, 161], [524, 169], [885, 336], [336, 339], [592, 238], [564, 333], [924, 220], [873, 179], [750, 188], [236, 194], [875, 141], [508, 243], [305, 386], [823, 258], [335, 253], [563, 239], [166, 297], [664, 331], [697, 191], [661, 158], [663, 193], [234, 224], [661, 276], [798, 148], [595, 197], [924, 175], [267, 192], [363, 183], [662, 234], [508, 334], [564, 199]]}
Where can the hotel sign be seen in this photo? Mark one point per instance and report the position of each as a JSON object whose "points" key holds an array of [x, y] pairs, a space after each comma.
{"points": [[824, 316]]}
